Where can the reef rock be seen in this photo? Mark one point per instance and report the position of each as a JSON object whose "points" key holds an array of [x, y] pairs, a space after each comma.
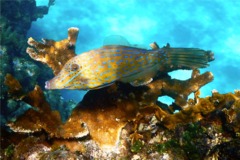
{"points": [[16, 18]]}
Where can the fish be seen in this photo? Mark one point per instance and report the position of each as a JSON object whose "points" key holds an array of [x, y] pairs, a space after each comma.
{"points": [[101, 67]]}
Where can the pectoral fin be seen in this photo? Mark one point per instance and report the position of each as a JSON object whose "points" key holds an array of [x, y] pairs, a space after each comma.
{"points": [[141, 82]]}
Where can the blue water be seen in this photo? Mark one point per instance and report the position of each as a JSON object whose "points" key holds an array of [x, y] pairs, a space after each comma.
{"points": [[206, 24]]}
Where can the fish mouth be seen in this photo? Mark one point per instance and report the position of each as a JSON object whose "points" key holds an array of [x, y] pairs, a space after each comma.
{"points": [[52, 84], [47, 85]]}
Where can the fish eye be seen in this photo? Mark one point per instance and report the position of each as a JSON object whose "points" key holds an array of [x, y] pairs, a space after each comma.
{"points": [[74, 67]]}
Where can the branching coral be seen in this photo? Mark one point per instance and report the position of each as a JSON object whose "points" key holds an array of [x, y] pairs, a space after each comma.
{"points": [[103, 113], [104, 117], [123, 101], [54, 54], [177, 89], [104, 121], [196, 112], [40, 116]]}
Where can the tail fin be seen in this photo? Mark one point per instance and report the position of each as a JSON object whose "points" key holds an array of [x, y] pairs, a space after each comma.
{"points": [[188, 57]]}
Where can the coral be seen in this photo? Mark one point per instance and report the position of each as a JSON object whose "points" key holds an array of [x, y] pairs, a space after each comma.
{"points": [[122, 103], [54, 54], [196, 112], [15, 87], [105, 121], [94, 116], [197, 131], [122, 121], [177, 89], [40, 116], [200, 130]]}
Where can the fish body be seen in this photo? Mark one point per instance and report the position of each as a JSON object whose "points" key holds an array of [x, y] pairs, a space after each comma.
{"points": [[101, 67]]}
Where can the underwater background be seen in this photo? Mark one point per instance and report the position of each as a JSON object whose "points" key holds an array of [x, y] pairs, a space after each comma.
{"points": [[207, 24], [119, 121]]}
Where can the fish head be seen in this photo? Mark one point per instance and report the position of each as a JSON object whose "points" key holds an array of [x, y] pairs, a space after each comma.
{"points": [[70, 77]]}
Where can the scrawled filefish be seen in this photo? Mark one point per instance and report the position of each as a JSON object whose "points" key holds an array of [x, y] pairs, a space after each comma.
{"points": [[101, 67]]}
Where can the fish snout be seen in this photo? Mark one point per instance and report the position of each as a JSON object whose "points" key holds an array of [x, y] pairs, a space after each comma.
{"points": [[53, 84], [47, 85]]}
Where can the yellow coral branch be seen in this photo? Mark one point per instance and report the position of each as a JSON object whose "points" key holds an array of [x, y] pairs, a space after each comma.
{"points": [[54, 54]]}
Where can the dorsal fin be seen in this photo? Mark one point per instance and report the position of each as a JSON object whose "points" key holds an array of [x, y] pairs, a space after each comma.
{"points": [[115, 40], [120, 40]]}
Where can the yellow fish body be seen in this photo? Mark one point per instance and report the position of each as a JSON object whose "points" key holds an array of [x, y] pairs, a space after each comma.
{"points": [[102, 67]]}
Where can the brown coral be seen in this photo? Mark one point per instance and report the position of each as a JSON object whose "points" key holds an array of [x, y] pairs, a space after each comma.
{"points": [[106, 111], [103, 121], [54, 54], [103, 113], [16, 88], [177, 89], [105, 117], [227, 103], [106, 121], [40, 116]]}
